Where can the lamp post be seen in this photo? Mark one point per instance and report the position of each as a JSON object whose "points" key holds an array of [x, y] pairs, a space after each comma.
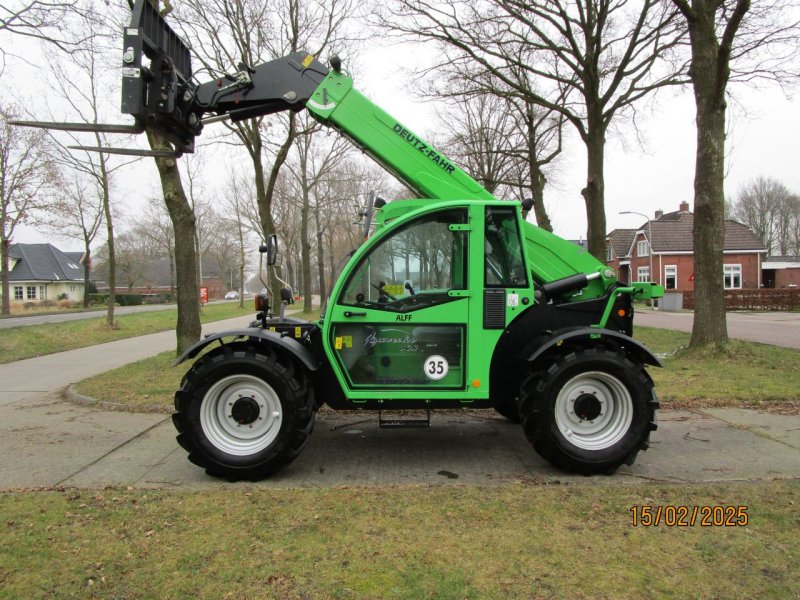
{"points": [[649, 243]]}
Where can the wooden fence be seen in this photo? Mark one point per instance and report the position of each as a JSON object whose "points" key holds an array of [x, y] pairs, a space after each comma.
{"points": [[763, 299]]}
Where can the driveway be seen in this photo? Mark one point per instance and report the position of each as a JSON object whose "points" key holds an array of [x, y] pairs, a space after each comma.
{"points": [[47, 441], [775, 328]]}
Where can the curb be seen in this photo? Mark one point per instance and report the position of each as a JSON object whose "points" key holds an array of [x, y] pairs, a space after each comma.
{"points": [[71, 395]]}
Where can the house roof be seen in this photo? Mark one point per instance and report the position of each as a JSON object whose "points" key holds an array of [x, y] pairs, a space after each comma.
{"points": [[781, 262], [621, 240], [581, 243], [672, 232], [75, 257], [44, 262]]}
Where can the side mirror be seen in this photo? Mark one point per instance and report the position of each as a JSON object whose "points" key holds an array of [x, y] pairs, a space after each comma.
{"points": [[270, 249]]}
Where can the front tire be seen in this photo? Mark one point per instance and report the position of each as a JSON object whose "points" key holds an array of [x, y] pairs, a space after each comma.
{"points": [[243, 412], [589, 411]]}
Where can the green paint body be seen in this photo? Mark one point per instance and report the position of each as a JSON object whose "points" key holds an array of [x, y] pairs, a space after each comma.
{"points": [[433, 344]]}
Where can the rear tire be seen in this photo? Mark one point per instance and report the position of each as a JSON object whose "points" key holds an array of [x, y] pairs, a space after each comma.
{"points": [[243, 412], [589, 411]]}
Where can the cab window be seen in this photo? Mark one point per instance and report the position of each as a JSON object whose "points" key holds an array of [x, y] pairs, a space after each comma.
{"points": [[413, 267], [504, 264]]}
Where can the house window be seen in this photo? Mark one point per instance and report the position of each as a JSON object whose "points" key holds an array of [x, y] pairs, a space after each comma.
{"points": [[671, 277], [732, 277], [42, 294], [642, 248], [31, 292], [643, 274], [609, 253], [18, 292]]}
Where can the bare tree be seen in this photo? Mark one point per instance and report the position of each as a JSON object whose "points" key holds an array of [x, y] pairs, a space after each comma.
{"points": [[598, 57], [505, 142], [314, 162], [25, 175], [77, 213], [42, 20], [729, 41], [156, 226], [481, 138], [765, 206], [237, 218], [229, 31], [134, 255], [82, 94]]}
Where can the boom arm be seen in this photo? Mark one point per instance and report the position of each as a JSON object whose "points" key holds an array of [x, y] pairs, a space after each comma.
{"points": [[163, 97]]}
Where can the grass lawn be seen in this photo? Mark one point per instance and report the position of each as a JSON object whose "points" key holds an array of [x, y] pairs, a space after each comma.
{"points": [[17, 343], [748, 374], [514, 541]]}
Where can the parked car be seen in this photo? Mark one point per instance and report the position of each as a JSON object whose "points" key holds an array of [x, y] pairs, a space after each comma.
{"points": [[232, 295]]}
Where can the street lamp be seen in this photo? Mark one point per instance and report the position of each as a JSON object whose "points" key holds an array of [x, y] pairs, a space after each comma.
{"points": [[649, 243]]}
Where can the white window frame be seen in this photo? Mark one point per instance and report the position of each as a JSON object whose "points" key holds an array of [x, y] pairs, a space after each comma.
{"points": [[670, 271], [28, 294], [643, 274], [609, 253], [19, 292], [42, 292], [732, 271], [642, 248]]}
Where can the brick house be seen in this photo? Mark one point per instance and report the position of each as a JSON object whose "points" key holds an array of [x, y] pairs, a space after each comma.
{"points": [[781, 272], [666, 245]]}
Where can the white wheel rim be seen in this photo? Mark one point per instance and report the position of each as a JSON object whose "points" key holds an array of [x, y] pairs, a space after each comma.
{"points": [[602, 397], [232, 436]]}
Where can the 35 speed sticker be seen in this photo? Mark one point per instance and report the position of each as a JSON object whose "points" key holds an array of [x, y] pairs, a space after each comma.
{"points": [[436, 367]]}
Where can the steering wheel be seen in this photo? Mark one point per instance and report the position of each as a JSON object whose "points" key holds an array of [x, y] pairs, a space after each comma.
{"points": [[383, 291]]}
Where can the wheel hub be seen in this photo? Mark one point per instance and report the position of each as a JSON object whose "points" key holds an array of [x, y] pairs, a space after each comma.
{"points": [[587, 407], [593, 410], [241, 414], [245, 411]]}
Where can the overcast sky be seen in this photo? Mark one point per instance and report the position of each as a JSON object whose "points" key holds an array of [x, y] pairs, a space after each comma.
{"points": [[652, 172]]}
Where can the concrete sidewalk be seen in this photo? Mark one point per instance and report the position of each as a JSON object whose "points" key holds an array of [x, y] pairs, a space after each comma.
{"points": [[48, 441]]}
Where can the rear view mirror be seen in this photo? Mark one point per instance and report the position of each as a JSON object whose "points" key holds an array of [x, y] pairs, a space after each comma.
{"points": [[270, 249]]}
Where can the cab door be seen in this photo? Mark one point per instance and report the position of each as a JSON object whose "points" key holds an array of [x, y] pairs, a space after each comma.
{"points": [[398, 320]]}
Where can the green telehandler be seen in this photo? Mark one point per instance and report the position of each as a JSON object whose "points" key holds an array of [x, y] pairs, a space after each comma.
{"points": [[453, 301]]}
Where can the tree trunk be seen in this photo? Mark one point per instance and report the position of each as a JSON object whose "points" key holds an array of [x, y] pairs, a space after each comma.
{"points": [[538, 180], [305, 250], [594, 192], [183, 221], [171, 258], [112, 257], [320, 255], [537, 184], [710, 326], [264, 193], [87, 259], [5, 244]]}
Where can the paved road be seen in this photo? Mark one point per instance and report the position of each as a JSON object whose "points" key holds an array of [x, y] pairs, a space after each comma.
{"points": [[48, 441], [8, 322], [775, 328]]}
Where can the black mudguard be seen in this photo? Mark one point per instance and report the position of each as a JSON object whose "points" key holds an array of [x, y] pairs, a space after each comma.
{"points": [[592, 334], [271, 338]]}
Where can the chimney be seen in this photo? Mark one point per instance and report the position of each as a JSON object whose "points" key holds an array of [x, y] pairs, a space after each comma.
{"points": [[684, 207], [659, 214]]}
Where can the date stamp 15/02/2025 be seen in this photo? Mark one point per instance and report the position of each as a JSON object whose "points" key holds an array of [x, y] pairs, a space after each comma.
{"points": [[677, 515]]}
